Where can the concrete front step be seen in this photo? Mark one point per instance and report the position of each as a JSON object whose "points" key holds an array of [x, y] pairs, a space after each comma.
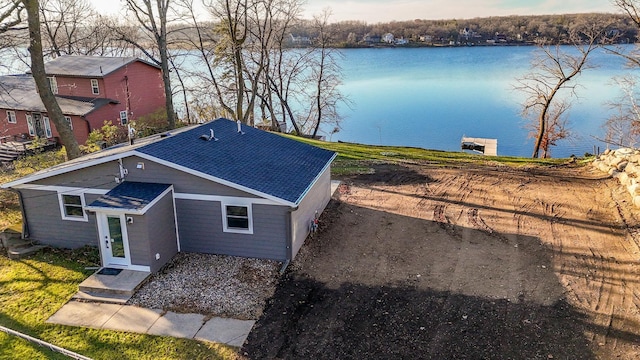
{"points": [[16, 253], [102, 298], [123, 284], [16, 246]]}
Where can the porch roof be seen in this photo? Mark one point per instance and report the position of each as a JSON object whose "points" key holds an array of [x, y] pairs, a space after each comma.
{"points": [[130, 197]]}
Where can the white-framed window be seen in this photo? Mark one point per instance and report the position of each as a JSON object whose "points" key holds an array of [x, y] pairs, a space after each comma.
{"points": [[72, 207], [68, 119], [124, 118], [53, 84], [47, 127], [95, 89], [11, 117], [237, 218], [32, 129]]}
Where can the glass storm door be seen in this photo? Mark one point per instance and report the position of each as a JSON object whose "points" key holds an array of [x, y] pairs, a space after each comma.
{"points": [[113, 240]]}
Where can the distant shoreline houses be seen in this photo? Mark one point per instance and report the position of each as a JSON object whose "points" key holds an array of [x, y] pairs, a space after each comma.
{"points": [[464, 37]]}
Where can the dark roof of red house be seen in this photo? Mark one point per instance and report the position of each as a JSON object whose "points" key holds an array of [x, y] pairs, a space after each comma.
{"points": [[18, 92], [89, 66]]}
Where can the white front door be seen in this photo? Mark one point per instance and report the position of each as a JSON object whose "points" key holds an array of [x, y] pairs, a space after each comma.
{"points": [[114, 242]]}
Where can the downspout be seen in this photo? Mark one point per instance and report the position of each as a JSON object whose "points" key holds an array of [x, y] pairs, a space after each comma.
{"points": [[88, 124], [128, 97], [25, 223]]}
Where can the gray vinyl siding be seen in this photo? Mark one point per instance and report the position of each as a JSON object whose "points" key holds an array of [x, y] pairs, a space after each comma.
{"points": [[200, 229], [315, 200], [138, 237], [162, 232], [47, 226], [182, 182], [151, 233], [100, 176]]}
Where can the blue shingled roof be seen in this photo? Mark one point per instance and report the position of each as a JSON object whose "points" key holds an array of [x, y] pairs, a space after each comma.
{"points": [[267, 163], [130, 195]]}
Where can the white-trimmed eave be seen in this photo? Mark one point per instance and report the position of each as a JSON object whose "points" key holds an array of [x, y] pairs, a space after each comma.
{"points": [[106, 209], [66, 169], [304, 193], [230, 184]]}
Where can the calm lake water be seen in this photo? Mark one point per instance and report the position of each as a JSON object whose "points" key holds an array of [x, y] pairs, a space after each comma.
{"points": [[431, 97]]}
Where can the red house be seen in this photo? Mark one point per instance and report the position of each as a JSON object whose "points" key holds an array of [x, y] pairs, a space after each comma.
{"points": [[90, 90]]}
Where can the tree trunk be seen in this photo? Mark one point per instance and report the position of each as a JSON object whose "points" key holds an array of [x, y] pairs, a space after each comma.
{"points": [[541, 130], [39, 75], [161, 39]]}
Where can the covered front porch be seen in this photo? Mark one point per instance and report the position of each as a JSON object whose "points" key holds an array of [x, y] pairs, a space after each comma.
{"points": [[136, 227], [137, 236]]}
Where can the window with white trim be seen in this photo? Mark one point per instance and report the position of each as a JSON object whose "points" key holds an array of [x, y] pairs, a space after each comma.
{"points": [[53, 84], [32, 129], [68, 118], [124, 118], [11, 117], [95, 89], [47, 127], [72, 207], [237, 218]]}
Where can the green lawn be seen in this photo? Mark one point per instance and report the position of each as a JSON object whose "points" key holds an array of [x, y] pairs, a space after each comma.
{"points": [[33, 289]]}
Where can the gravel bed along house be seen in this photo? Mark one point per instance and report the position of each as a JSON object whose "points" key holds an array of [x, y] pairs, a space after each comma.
{"points": [[214, 285]]}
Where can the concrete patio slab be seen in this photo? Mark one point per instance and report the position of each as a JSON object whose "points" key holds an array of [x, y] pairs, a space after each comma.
{"points": [[150, 321], [76, 313], [125, 283], [177, 325], [133, 319], [227, 331]]}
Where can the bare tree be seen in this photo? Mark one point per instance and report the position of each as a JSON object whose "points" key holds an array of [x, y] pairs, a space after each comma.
{"points": [[63, 24], [10, 15], [248, 70], [38, 71], [623, 127], [552, 71], [154, 17], [233, 29], [326, 75], [209, 92], [11, 24]]}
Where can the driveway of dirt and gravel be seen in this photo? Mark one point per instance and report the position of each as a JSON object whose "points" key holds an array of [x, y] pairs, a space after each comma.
{"points": [[420, 262]]}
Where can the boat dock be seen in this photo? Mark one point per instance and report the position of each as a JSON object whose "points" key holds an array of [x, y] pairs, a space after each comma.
{"points": [[480, 145]]}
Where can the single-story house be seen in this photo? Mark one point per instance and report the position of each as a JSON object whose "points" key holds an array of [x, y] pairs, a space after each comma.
{"points": [[219, 187]]}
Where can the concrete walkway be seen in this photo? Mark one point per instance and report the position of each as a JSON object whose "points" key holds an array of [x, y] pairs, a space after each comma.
{"points": [[155, 322]]}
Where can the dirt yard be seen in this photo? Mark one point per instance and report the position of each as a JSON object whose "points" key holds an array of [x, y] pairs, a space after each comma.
{"points": [[420, 262]]}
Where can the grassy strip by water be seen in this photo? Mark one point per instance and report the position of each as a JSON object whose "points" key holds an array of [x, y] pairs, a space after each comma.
{"points": [[354, 158]]}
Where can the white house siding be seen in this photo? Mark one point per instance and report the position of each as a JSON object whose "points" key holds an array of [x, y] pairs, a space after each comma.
{"points": [[316, 200], [200, 229], [47, 226]]}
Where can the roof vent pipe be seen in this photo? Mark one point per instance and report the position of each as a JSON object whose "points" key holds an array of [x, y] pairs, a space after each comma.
{"points": [[239, 127], [210, 137]]}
